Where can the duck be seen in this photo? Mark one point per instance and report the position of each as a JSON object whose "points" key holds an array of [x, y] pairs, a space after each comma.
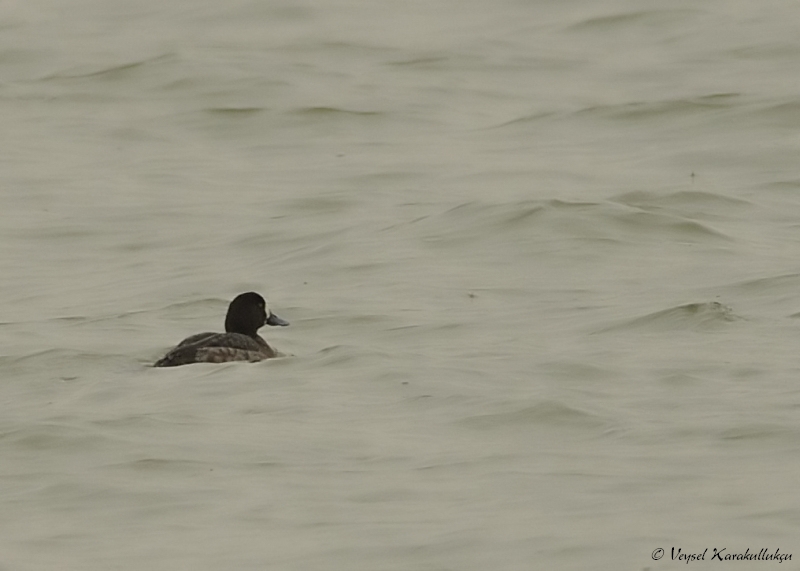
{"points": [[247, 313]]}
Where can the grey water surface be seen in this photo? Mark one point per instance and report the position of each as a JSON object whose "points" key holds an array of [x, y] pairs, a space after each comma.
{"points": [[541, 261]]}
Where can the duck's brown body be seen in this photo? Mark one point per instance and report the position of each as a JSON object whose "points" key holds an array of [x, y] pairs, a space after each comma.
{"points": [[246, 314]]}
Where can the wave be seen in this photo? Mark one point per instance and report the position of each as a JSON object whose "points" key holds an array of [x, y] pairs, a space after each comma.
{"points": [[613, 221], [547, 412], [690, 316]]}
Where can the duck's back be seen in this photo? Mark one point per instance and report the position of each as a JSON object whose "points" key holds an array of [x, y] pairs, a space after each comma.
{"points": [[217, 348], [196, 339]]}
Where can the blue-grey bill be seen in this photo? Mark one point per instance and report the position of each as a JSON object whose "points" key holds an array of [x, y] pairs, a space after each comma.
{"points": [[275, 320]]}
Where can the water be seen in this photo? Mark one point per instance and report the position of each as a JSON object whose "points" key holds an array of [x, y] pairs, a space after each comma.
{"points": [[540, 260]]}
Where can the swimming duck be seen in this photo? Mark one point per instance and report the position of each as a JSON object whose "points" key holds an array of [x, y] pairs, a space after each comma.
{"points": [[240, 342]]}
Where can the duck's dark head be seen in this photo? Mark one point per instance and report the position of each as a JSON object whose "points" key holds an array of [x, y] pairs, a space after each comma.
{"points": [[248, 312]]}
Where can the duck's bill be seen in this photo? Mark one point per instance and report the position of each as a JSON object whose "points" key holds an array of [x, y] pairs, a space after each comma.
{"points": [[275, 320]]}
